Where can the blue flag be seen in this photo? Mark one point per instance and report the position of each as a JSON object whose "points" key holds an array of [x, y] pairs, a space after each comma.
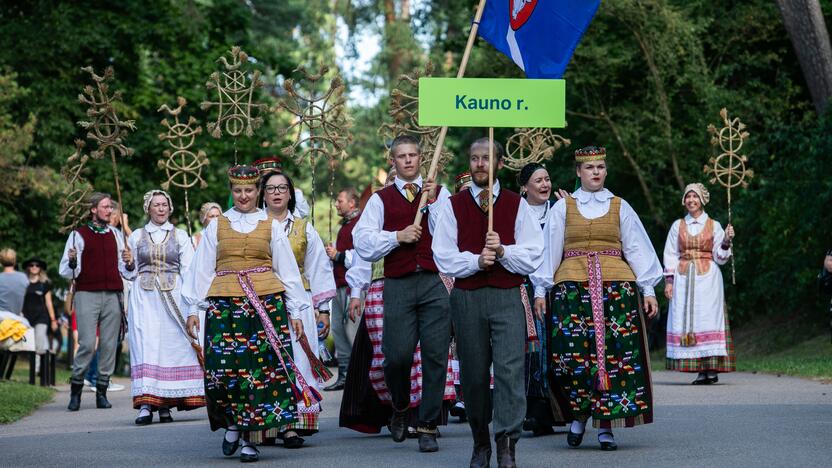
{"points": [[539, 35]]}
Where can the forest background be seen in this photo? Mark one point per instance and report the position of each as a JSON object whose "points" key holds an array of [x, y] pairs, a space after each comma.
{"points": [[645, 82]]}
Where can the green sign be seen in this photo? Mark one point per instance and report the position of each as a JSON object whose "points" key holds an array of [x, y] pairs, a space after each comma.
{"points": [[492, 102]]}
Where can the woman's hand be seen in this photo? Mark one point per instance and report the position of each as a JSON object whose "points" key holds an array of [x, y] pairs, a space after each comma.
{"points": [[192, 327], [354, 308], [668, 290], [729, 233], [561, 194], [539, 307], [127, 258], [323, 332], [297, 326], [651, 306]]}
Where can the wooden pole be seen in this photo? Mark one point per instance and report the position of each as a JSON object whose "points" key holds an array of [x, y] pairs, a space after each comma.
{"points": [[118, 194], [491, 169], [440, 141]]}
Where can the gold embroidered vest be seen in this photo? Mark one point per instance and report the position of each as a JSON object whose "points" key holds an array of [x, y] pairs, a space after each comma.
{"points": [[593, 235], [698, 249], [237, 251], [378, 270], [297, 238]]}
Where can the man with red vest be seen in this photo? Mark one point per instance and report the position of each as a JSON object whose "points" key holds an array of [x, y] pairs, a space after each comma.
{"points": [[416, 307], [347, 295], [91, 258], [488, 315]]}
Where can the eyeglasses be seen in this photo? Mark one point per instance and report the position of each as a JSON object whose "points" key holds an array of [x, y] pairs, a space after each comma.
{"points": [[282, 188]]}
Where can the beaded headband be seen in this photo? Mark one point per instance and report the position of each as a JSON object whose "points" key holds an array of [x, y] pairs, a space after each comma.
{"points": [[461, 180], [590, 153], [272, 163]]}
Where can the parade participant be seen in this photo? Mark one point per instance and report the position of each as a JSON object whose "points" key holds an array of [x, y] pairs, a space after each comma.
{"points": [[486, 305], [415, 298], [342, 256], [91, 258], [367, 405], [274, 164], [164, 367], [13, 283], [542, 411], [38, 308], [461, 182], [119, 220], [278, 192], [207, 212], [597, 251], [246, 275], [698, 334]]}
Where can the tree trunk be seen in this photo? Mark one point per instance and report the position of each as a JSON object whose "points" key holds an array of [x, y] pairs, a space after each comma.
{"points": [[807, 29]]}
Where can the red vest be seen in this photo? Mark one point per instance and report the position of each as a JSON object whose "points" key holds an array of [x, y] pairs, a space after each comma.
{"points": [[343, 243], [99, 262], [472, 224], [398, 214]]}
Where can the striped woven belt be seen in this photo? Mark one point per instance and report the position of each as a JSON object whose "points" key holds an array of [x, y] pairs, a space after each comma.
{"points": [[596, 296]]}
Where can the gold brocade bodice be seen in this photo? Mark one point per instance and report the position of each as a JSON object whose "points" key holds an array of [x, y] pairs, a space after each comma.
{"points": [[237, 251], [299, 242], [593, 235]]}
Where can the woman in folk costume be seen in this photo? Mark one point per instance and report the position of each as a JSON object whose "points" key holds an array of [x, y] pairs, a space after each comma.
{"points": [[597, 259], [367, 405], [542, 409], [278, 191], [698, 334], [164, 360], [245, 274], [207, 212]]}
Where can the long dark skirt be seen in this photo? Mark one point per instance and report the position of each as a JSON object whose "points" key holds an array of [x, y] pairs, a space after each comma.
{"points": [[245, 383], [574, 365]]}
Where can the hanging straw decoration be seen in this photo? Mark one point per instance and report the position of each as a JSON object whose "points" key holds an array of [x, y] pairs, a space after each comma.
{"points": [[532, 145], [729, 168], [182, 166], [237, 110], [76, 190], [105, 129], [404, 110], [320, 126]]}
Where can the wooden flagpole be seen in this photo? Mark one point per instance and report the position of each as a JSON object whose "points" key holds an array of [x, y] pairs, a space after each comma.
{"points": [[440, 141], [491, 169]]}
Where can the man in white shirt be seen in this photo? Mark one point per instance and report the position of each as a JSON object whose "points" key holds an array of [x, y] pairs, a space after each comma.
{"points": [[416, 307], [488, 314]]}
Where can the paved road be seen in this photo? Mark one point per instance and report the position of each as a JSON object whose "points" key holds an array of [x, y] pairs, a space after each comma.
{"points": [[746, 420]]}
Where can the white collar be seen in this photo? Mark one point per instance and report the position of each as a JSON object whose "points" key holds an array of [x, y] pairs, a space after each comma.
{"points": [[151, 228], [476, 189], [584, 197], [289, 217], [700, 220], [400, 183], [257, 215]]}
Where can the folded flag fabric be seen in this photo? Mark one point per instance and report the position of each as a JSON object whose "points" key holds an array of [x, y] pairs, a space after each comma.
{"points": [[539, 35]]}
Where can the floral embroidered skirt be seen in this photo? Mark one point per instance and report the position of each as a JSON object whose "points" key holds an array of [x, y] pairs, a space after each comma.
{"points": [[244, 377], [629, 402]]}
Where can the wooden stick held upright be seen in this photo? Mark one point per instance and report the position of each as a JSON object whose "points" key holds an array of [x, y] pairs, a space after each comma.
{"points": [[491, 169], [440, 140]]}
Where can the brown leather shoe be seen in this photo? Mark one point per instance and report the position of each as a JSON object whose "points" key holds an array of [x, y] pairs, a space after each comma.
{"points": [[505, 452]]}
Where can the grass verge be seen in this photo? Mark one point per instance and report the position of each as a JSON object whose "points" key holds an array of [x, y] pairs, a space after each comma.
{"points": [[18, 399]]}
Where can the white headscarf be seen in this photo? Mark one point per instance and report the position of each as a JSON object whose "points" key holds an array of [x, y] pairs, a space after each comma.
{"points": [[149, 196], [698, 189]]}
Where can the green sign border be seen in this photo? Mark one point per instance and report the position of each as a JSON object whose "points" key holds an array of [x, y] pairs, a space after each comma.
{"points": [[492, 102]]}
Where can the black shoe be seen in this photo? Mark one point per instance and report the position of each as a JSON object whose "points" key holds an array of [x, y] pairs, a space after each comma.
{"points": [[412, 433], [338, 385], [702, 379], [75, 396], [246, 458], [144, 420], [427, 442], [713, 380], [293, 442], [505, 452], [228, 448], [607, 446], [574, 439], [481, 456], [398, 426], [165, 417], [101, 397]]}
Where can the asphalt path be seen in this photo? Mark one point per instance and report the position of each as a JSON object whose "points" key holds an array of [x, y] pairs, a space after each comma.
{"points": [[745, 420]]}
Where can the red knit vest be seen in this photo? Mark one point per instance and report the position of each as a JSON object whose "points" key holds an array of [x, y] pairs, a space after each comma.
{"points": [[99, 262], [472, 225], [343, 243], [398, 214]]}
